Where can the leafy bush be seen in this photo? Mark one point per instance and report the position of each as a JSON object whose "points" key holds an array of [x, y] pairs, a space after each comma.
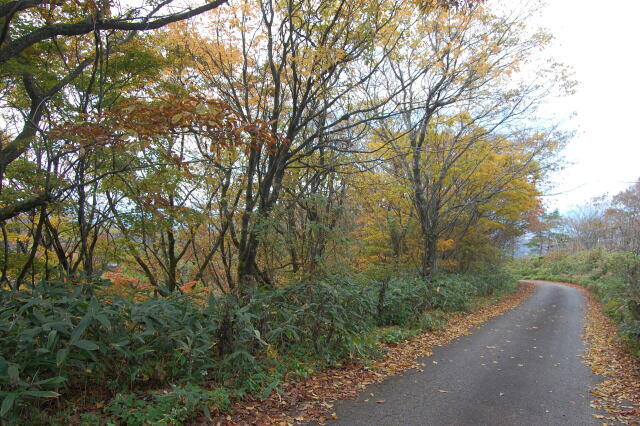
{"points": [[395, 335], [54, 338], [402, 301], [61, 336], [171, 407], [452, 293], [326, 315]]}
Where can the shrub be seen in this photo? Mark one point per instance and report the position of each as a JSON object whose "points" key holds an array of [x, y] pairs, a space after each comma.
{"points": [[403, 300], [61, 336], [54, 338], [452, 293], [170, 407]]}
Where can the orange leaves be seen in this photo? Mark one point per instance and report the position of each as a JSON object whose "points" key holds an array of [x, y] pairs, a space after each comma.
{"points": [[128, 287], [142, 121], [619, 393], [444, 245]]}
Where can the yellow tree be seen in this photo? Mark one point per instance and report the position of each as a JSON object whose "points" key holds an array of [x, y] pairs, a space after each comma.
{"points": [[478, 184], [460, 87]]}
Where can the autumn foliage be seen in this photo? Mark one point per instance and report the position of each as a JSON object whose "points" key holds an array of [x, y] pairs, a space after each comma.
{"points": [[220, 195]]}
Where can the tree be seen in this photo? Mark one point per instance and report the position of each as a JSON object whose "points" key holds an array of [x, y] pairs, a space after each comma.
{"points": [[586, 225], [40, 54], [459, 88], [303, 66], [624, 216], [547, 231]]}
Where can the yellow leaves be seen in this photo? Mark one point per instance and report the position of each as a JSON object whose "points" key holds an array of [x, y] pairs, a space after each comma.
{"points": [[14, 237], [316, 60], [176, 118]]}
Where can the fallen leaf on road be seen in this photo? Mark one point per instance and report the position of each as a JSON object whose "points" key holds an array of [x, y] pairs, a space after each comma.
{"points": [[307, 400], [442, 390], [608, 357], [382, 401]]}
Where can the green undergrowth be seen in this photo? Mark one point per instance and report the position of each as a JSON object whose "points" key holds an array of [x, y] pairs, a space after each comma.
{"points": [[614, 278], [73, 353]]}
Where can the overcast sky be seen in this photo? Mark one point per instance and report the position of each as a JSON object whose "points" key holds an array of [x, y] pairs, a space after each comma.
{"points": [[601, 42]]}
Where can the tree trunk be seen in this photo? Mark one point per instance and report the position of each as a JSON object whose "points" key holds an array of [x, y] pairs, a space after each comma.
{"points": [[429, 257]]}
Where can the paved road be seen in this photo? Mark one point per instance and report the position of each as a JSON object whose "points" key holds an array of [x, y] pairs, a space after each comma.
{"points": [[518, 369]]}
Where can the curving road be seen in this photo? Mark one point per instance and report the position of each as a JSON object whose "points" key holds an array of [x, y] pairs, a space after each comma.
{"points": [[522, 368]]}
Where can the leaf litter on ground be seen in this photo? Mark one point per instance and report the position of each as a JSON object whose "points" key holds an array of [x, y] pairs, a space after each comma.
{"points": [[310, 399], [617, 397]]}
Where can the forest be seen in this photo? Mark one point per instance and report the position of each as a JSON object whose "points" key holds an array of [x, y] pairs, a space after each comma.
{"points": [[200, 201]]}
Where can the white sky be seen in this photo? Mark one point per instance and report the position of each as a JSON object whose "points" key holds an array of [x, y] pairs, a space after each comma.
{"points": [[601, 42]]}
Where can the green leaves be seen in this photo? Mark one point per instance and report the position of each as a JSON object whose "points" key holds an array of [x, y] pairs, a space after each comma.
{"points": [[7, 403], [75, 339], [61, 356], [14, 374], [80, 329], [87, 345], [41, 394]]}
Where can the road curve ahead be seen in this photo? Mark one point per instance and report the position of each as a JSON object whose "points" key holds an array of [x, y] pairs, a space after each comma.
{"points": [[521, 368]]}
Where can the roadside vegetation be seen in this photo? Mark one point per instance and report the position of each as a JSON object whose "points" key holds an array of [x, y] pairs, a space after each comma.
{"points": [[597, 246], [170, 359], [200, 203]]}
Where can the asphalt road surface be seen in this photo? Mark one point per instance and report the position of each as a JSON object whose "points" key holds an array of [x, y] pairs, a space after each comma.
{"points": [[521, 368]]}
